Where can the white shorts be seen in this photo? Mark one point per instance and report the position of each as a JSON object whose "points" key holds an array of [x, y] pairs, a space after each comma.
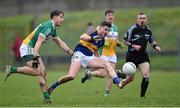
{"points": [[26, 50], [79, 56], [112, 59]]}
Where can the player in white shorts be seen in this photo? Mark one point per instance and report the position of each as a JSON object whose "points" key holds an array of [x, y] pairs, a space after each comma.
{"points": [[30, 51], [108, 52], [86, 55]]}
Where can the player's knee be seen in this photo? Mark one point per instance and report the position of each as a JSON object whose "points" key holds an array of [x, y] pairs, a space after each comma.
{"points": [[72, 77], [37, 72], [145, 75], [69, 78], [104, 74], [100, 76], [106, 65], [42, 73], [42, 84]]}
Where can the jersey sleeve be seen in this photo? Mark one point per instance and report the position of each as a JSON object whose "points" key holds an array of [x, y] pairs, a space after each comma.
{"points": [[85, 35], [126, 36], [151, 38], [45, 32], [129, 34]]}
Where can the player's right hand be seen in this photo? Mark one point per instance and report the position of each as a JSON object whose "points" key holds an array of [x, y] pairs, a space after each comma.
{"points": [[35, 62], [158, 49], [121, 45]]}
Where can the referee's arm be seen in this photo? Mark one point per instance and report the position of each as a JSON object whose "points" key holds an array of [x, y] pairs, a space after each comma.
{"points": [[156, 46]]}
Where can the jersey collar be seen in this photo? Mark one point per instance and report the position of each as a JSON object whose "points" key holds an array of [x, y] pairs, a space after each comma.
{"points": [[53, 24]]}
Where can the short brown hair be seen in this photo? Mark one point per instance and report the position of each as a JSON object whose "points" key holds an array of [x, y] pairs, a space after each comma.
{"points": [[109, 11], [105, 23], [141, 13], [56, 13]]}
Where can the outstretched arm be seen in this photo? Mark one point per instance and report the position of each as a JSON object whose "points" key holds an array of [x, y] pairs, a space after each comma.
{"points": [[63, 45], [156, 47]]}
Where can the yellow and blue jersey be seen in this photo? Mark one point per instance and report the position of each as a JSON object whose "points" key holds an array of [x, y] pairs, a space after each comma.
{"points": [[89, 47]]}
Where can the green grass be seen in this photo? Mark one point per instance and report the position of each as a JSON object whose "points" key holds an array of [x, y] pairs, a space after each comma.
{"points": [[23, 91]]}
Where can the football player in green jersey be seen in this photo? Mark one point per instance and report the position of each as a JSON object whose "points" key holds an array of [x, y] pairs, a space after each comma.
{"points": [[30, 51]]}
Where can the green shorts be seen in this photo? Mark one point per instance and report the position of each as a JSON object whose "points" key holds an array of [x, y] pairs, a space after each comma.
{"points": [[27, 58]]}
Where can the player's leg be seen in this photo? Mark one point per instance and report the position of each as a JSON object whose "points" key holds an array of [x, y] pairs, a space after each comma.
{"points": [[42, 82], [100, 73], [108, 86], [144, 69], [73, 70], [127, 80], [99, 63], [76, 61], [27, 55], [27, 70], [109, 83], [130, 57]]}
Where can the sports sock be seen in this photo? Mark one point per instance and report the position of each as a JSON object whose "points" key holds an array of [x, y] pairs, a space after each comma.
{"points": [[54, 85], [13, 69], [116, 80], [144, 86], [106, 91], [46, 95]]}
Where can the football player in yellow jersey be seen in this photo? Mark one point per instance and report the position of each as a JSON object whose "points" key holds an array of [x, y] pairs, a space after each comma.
{"points": [[29, 51], [108, 51]]}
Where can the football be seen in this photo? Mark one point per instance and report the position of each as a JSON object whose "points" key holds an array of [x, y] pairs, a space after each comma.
{"points": [[129, 68]]}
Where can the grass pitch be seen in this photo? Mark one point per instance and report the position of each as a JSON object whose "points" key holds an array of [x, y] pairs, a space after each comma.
{"points": [[23, 91]]}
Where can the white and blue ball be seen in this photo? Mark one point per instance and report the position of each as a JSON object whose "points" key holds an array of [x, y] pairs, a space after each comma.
{"points": [[129, 68]]}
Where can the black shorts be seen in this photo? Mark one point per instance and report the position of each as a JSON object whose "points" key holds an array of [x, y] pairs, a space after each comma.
{"points": [[137, 58]]}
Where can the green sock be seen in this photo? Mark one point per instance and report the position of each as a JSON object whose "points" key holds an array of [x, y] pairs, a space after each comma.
{"points": [[106, 91], [46, 95], [14, 69]]}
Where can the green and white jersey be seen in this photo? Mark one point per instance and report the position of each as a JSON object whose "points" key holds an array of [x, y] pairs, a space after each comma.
{"points": [[47, 30]]}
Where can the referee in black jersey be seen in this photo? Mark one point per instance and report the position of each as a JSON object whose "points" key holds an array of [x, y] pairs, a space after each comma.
{"points": [[137, 38]]}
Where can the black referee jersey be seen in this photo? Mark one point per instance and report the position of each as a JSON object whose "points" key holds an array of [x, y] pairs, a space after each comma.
{"points": [[138, 36]]}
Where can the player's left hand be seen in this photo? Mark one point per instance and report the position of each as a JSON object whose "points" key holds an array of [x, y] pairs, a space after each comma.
{"points": [[35, 62], [106, 43]]}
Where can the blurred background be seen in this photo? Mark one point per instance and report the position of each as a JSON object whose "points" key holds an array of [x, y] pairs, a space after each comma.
{"points": [[19, 17]]}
